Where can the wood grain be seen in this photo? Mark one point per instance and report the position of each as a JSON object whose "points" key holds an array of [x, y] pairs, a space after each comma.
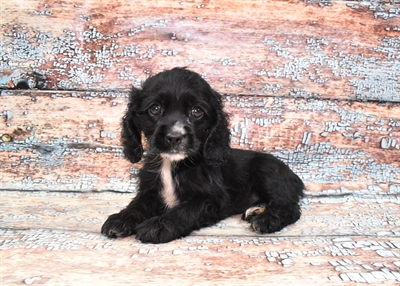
{"points": [[53, 238], [70, 140], [349, 215], [317, 49], [67, 258], [343, 239]]}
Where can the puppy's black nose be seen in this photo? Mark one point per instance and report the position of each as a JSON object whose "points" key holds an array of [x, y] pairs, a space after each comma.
{"points": [[174, 139]]}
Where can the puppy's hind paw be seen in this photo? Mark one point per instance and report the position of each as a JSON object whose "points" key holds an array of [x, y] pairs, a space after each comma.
{"points": [[256, 216], [271, 219], [253, 212]]}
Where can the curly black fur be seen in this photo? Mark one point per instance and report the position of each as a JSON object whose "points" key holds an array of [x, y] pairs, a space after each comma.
{"points": [[191, 178]]}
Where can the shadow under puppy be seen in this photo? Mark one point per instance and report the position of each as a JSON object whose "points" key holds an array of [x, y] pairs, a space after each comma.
{"points": [[191, 178]]}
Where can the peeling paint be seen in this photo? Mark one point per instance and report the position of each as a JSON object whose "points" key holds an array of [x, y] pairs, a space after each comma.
{"points": [[356, 141], [102, 56], [372, 79]]}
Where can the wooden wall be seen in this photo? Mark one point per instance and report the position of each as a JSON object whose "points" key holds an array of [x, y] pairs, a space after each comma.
{"points": [[315, 82]]}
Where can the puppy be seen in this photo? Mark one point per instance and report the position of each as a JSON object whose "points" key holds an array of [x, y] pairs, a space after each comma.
{"points": [[191, 178]]}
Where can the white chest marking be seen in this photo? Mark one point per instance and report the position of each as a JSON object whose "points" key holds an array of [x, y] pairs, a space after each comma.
{"points": [[168, 192]]}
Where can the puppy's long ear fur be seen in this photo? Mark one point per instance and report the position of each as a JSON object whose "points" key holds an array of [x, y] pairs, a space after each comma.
{"points": [[131, 131], [216, 147]]}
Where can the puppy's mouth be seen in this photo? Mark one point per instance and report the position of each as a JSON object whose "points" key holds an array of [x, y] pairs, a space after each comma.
{"points": [[173, 156]]}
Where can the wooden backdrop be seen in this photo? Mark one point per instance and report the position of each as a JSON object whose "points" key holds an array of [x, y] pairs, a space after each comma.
{"points": [[314, 82]]}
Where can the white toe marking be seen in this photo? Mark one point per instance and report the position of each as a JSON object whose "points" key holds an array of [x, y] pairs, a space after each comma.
{"points": [[256, 210]]}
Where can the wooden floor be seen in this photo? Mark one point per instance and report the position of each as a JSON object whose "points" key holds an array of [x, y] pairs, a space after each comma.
{"points": [[53, 238]]}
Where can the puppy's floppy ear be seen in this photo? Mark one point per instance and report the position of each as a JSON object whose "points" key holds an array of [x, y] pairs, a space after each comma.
{"points": [[131, 130], [216, 147]]}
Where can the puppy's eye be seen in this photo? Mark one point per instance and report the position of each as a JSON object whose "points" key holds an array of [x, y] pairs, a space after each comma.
{"points": [[155, 109], [197, 112]]}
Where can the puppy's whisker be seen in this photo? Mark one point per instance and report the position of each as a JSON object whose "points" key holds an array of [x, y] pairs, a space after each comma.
{"points": [[191, 159]]}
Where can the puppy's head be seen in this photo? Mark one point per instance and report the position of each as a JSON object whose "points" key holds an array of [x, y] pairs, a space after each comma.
{"points": [[180, 115]]}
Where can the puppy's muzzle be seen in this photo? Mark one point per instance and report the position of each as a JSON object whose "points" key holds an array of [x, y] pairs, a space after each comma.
{"points": [[172, 138], [176, 144]]}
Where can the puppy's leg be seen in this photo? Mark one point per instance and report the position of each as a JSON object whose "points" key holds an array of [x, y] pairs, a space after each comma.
{"points": [[179, 221], [124, 223], [279, 191]]}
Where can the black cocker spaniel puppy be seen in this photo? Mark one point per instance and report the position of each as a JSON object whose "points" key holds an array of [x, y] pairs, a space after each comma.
{"points": [[191, 178]]}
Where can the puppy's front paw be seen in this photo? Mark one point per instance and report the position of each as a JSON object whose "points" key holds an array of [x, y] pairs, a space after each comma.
{"points": [[157, 230], [119, 225]]}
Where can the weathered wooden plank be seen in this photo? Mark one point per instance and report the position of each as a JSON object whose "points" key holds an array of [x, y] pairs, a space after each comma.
{"points": [[83, 117], [85, 171], [70, 140], [319, 49], [72, 258], [356, 214]]}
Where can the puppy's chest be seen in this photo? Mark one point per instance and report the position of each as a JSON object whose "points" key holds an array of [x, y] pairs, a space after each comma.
{"points": [[168, 191]]}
